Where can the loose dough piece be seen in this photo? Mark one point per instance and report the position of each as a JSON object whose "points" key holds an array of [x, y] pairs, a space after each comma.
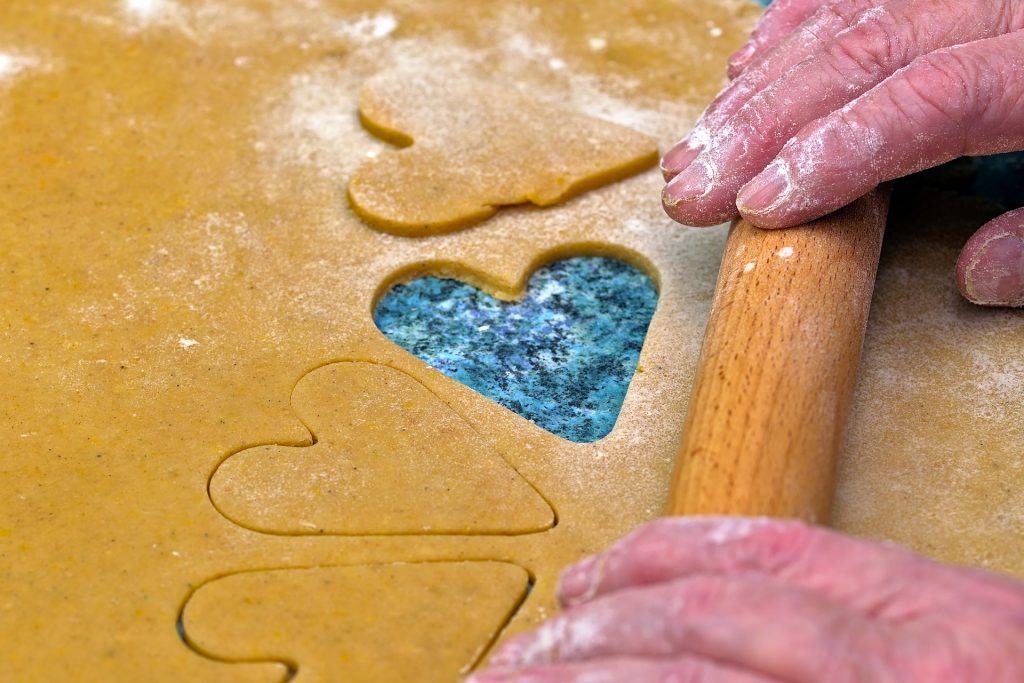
{"points": [[473, 146], [429, 623], [389, 458]]}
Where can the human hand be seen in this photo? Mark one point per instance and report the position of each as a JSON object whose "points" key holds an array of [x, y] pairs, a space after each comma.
{"points": [[832, 97], [737, 600]]}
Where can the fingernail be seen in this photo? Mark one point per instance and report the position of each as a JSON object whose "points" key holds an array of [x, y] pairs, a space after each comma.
{"points": [[998, 277], [690, 185], [679, 158], [741, 57], [766, 191]]}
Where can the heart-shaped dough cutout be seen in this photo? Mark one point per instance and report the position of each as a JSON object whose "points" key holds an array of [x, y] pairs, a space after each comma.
{"points": [[389, 457], [471, 147], [427, 622]]}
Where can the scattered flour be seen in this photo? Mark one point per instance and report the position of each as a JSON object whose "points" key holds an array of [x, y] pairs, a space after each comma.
{"points": [[996, 383], [310, 121], [144, 14], [368, 27], [314, 124], [149, 10], [208, 20], [313, 121], [728, 529], [11, 65], [16, 64], [564, 637]]}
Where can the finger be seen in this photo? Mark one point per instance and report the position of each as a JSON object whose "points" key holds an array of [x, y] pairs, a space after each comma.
{"points": [[857, 573], [966, 100], [990, 270], [752, 623], [624, 670], [879, 43], [803, 43], [779, 20]]}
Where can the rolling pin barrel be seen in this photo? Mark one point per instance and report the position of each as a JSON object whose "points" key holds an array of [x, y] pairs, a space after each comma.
{"points": [[778, 367]]}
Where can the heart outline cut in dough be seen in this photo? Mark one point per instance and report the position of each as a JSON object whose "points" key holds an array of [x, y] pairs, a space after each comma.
{"points": [[388, 457], [448, 613], [471, 147]]}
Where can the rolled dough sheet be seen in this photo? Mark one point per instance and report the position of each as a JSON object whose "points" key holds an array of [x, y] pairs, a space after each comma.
{"points": [[934, 454], [177, 254]]}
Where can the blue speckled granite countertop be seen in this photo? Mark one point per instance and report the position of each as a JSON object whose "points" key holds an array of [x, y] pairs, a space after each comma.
{"points": [[563, 356]]}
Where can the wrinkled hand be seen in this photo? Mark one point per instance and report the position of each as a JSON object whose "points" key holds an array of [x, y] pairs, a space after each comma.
{"points": [[736, 600], [832, 97]]}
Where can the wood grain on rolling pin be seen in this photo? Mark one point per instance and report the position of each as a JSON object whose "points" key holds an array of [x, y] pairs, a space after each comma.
{"points": [[778, 367]]}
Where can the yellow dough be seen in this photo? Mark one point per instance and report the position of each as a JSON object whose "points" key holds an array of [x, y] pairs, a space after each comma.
{"points": [[934, 454], [390, 458], [177, 255], [459, 608], [476, 146]]}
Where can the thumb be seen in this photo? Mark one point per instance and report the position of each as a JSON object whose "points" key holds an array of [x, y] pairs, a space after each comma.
{"points": [[990, 270]]}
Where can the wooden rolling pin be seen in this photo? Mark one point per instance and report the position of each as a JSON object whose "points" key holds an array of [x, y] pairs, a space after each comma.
{"points": [[778, 367]]}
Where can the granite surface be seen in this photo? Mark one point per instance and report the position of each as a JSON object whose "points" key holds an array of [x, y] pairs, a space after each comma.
{"points": [[562, 357]]}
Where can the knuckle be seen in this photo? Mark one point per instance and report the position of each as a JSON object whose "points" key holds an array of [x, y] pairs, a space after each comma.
{"points": [[933, 97], [648, 545], [954, 12], [866, 52], [760, 121], [665, 528], [1010, 16], [866, 132], [763, 545], [851, 118], [821, 23], [784, 544], [850, 11], [696, 595], [946, 79], [637, 546]]}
